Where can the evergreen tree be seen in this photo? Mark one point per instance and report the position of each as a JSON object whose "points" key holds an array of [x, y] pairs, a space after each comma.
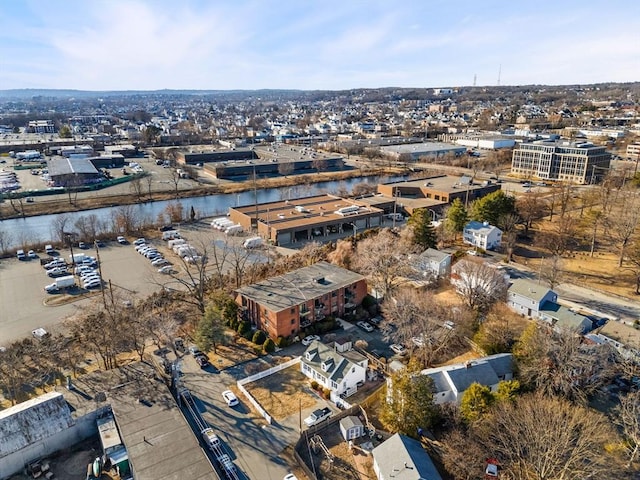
{"points": [[210, 330], [409, 401], [423, 232], [493, 207], [457, 217], [476, 402]]}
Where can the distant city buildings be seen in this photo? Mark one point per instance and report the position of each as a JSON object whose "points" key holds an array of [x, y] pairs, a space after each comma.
{"points": [[580, 163]]}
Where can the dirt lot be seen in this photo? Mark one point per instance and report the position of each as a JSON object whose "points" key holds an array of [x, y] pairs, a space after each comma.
{"points": [[281, 393]]}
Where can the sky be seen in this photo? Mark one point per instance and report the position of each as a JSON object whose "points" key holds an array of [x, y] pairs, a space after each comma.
{"points": [[315, 45]]}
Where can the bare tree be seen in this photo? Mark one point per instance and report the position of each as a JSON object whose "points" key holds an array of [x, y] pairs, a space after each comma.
{"points": [[421, 320], [623, 224], [59, 227], [480, 284], [285, 168], [551, 270], [123, 219], [560, 364], [148, 179], [530, 207], [509, 224], [135, 187], [382, 259], [518, 433], [627, 417], [175, 178]]}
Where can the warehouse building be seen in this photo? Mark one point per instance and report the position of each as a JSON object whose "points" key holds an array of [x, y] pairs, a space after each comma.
{"points": [[311, 218], [72, 172], [580, 163], [426, 150], [436, 192]]}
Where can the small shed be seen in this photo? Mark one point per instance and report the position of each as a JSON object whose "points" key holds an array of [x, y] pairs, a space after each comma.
{"points": [[351, 427]]}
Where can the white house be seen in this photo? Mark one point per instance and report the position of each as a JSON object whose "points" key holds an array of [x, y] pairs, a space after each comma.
{"points": [[451, 381], [434, 263], [340, 372], [482, 235], [527, 297]]}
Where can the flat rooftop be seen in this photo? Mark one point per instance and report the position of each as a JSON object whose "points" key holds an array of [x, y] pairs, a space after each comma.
{"points": [[293, 288], [442, 183], [283, 215], [159, 441], [425, 147]]}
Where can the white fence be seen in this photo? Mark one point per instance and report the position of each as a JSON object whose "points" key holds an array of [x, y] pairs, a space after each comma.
{"points": [[252, 378]]}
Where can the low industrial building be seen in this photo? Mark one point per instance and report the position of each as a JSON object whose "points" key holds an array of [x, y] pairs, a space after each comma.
{"points": [[436, 192], [127, 151], [422, 151], [282, 306], [580, 163], [318, 217], [72, 172], [262, 161], [115, 160]]}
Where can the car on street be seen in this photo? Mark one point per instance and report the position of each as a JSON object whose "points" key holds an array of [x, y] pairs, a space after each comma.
{"points": [[375, 321], [230, 398], [367, 327], [121, 240], [306, 341], [317, 416], [398, 348]]}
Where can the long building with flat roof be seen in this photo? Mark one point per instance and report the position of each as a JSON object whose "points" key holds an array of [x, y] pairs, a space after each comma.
{"points": [[289, 221]]}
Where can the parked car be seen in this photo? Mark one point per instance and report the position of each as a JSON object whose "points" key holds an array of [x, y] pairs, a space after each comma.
{"points": [[418, 341], [93, 283], [290, 476], [376, 321], [139, 241], [159, 262], [58, 262], [317, 416], [230, 398], [40, 333], [306, 341], [32, 254], [57, 272], [20, 254], [121, 240], [195, 351], [367, 327], [398, 348], [82, 245], [167, 270], [202, 360]]}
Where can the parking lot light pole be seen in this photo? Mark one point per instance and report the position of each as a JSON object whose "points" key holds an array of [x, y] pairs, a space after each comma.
{"points": [[355, 231]]}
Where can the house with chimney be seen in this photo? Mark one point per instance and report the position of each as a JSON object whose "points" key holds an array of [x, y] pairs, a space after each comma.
{"points": [[335, 367], [451, 381], [482, 235]]}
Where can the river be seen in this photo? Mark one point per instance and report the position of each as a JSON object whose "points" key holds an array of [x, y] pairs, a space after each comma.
{"points": [[20, 232]]}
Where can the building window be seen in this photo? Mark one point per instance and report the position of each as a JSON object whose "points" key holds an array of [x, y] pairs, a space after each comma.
{"points": [[293, 321], [334, 294], [293, 309]]}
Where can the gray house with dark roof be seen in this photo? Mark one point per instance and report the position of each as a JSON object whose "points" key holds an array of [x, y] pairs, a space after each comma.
{"points": [[451, 381], [340, 372], [527, 297], [434, 263], [403, 458]]}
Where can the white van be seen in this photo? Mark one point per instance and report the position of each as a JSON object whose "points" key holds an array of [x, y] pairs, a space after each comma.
{"points": [[170, 235], [233, 230], [21, 255], [253, 242]]}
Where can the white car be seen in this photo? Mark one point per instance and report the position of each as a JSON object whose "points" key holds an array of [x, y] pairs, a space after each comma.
{"points": [[367, 327], [93, 283], [230, 398], [159, 262], [121, 240], [167, 269], [139, 241], [306, 341], [290, 476], [418, 341], [398, 348]]}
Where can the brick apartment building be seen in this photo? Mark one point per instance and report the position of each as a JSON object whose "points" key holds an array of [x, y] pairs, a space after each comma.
{"points": [[283, 305]]}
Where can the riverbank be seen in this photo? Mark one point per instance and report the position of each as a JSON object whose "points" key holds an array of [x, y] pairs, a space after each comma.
{"points": [[63, 203]]}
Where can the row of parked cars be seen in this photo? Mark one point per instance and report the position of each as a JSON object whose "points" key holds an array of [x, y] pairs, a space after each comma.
{"points": [[86, 269], [155, 257]]}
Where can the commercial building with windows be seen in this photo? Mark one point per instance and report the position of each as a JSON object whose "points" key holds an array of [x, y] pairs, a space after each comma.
{"points": [[580, 163], [282, 306], [312, 218]]}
